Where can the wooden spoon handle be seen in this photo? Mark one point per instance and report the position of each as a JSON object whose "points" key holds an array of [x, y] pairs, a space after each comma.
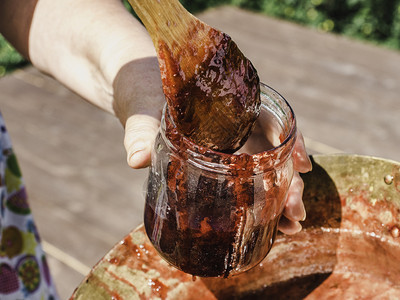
{"points": [[177, 34], [167, 20]]}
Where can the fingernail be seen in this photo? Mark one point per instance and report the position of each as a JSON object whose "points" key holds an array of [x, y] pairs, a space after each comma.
{"points": [[304, 214], [309, 163], [136, 148], [306, 162], [135, 156], [298, 227], [305, 156]]}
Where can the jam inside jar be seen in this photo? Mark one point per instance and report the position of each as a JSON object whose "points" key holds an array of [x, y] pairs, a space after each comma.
{"points": [[213, 214]]}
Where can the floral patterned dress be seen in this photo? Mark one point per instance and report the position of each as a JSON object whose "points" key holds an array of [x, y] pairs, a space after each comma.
{"points": [[24, 272]]}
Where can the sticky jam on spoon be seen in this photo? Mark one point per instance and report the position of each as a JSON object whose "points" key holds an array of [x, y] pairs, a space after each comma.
{"points": [[217, 101]]}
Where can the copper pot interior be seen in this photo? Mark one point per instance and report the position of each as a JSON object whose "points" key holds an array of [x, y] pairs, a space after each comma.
{"points": [[349, 246]]}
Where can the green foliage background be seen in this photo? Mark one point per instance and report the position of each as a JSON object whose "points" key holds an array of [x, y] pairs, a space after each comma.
{"points": [[376, 21], [9, 58]]}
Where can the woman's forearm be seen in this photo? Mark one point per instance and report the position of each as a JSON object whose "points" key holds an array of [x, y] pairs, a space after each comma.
{"points": [[84, 44], [100, 51]]}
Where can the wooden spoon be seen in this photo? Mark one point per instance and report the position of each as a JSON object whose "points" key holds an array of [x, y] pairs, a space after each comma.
{"points": [[212, 89]]}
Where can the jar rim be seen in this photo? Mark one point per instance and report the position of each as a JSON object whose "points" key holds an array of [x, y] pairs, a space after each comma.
{"points": [[202, 154]]}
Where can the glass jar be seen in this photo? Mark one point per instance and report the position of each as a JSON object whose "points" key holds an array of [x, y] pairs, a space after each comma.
{"points": [[216, 214]]}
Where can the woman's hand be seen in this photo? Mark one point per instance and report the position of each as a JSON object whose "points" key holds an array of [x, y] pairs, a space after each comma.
{"points": [[107, 57]]}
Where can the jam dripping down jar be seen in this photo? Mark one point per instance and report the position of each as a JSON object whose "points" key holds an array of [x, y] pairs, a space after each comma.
{"points": [[214, 214]]}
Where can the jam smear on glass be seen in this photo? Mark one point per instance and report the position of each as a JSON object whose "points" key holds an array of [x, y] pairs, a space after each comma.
{"points": [[211, 213]]}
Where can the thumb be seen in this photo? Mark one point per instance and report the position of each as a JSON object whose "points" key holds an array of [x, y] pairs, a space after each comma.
{"points": [[140, 133]]}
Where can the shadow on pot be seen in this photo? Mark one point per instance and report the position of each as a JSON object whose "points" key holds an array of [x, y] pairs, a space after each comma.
{"points": [[296, 264]]}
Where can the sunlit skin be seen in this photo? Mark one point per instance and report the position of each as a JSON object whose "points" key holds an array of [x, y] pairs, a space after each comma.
{"points": [[112, 64]]}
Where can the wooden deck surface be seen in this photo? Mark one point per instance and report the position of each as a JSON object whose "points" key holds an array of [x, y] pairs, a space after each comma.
{"points": [[85, 198]]}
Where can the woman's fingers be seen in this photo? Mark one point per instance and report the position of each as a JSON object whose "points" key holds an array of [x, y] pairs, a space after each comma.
{"points": [[294, 210], [288, 227], [140, 133], [301, 161], [138, 102]]}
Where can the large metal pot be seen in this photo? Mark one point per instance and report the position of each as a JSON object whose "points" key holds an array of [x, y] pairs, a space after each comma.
{"points": [[349, 247]]}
